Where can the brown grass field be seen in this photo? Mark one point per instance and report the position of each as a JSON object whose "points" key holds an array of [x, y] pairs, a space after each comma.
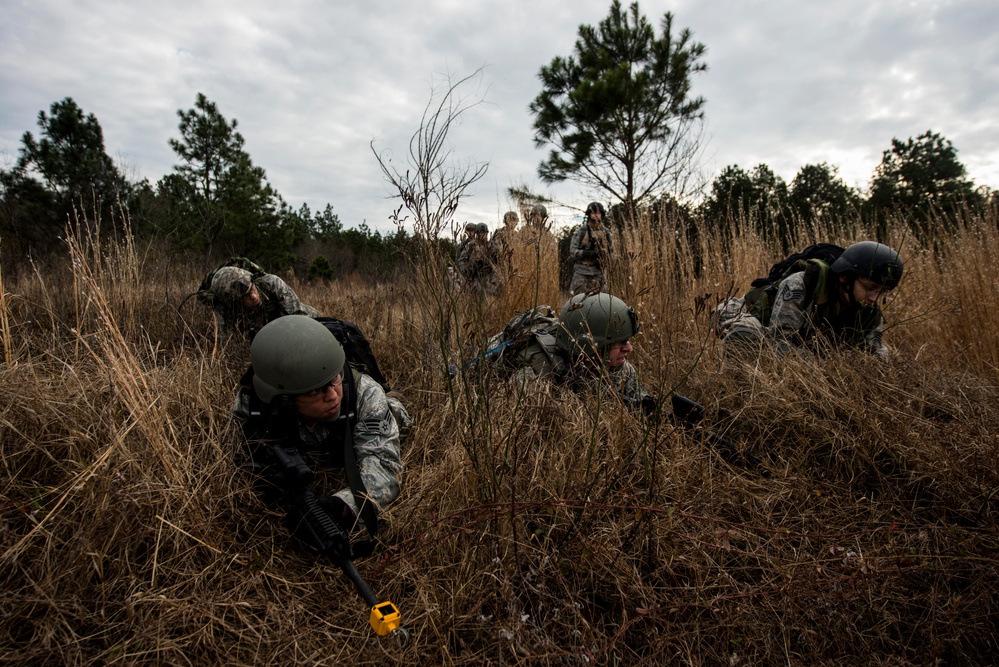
{"points": [[532, 529]]}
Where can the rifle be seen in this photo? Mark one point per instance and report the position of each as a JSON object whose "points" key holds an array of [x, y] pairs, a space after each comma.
{"points": [[308, 521], [689, 414]]}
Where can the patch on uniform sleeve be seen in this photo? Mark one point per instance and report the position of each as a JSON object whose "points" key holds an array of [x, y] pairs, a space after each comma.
{"points": [[792, 294], [386, 425]]}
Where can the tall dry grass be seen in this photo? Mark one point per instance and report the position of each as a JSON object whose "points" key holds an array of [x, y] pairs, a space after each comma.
{"points": [[533, 527]]}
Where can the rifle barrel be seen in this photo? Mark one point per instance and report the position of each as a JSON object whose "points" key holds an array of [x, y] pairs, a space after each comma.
{"points": [[362, 586]]}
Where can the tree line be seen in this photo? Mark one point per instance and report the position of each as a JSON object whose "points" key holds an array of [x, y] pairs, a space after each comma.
{"points": [[216, 202], [618, 116]]}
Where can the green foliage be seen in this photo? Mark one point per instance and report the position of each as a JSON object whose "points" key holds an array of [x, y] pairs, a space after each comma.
{"points": [[757, 199], [217, 200], [321, 269], [66, 168], [818, 193], [922, 177], [618, 113], [325, 226], [352, 249]]}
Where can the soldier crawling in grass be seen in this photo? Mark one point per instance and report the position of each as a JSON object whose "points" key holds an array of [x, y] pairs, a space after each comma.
{"points": [[302, 407], [587, 346], [819, 306], [244, 301]]}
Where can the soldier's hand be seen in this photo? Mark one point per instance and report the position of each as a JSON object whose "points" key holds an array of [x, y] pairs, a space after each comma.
{"points": [[650, 407]]}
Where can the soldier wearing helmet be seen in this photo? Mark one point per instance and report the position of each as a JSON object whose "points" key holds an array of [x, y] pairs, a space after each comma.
{"points": [[503, 242], [478, 261], [300, 399], [592, 340], [826, 305], [244, 302], [591, 251], [536, 216]]}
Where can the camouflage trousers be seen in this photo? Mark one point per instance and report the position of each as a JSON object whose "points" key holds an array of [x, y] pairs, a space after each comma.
{"points": [[587, 279], [733, 322]]}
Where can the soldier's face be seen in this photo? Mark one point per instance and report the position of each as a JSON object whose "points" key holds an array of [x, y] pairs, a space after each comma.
{"points": [[595, 217], [866, 292], [321, 404], [618, 353], [252, 297]]}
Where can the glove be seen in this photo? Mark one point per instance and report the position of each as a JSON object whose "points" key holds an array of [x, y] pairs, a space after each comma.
{"points": [[308, 521], [650, 407]]}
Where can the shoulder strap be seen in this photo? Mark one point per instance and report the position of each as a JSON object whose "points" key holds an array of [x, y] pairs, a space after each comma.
{"points": [[368, 514], [816, 282]]}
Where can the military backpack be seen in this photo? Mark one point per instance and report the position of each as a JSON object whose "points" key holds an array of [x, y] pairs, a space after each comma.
{"points": [[813, 260]]}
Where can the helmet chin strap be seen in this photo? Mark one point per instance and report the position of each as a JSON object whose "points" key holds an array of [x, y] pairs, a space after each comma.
{"points": [[847, 286]]}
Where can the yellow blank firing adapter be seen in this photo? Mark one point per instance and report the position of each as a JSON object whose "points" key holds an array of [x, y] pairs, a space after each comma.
{"points": [[385, 618]]}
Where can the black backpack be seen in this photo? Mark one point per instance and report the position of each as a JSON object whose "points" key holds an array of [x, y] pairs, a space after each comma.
{"points": [[356, 347], [819, 257]]}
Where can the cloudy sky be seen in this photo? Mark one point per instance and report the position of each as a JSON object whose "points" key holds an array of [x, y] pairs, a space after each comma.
{"points": [[313, 82]]}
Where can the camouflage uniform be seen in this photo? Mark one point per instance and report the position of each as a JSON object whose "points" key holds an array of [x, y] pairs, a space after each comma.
{"points": [[503, 244], [375, 436], [591, 251], [800, 327], [277, 299], [793, 325], [477, 264], [541, 360]]}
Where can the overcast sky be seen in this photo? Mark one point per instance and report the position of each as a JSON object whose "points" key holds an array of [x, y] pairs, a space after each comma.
{"points": [[313, 82]]}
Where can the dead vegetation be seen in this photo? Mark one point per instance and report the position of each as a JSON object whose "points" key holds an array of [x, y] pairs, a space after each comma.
{"points": [[538, 528]]}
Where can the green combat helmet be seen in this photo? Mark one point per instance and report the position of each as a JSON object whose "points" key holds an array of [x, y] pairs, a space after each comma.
{"points": [[537, 214], [482, 227], [592, 323], [292, 355], [874, 261]]}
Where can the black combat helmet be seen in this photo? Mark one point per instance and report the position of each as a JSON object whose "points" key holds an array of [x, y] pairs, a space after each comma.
{"points": [[874, 261], [596, 206]]}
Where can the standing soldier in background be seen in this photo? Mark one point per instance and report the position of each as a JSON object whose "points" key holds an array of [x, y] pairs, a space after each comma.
{"points": [[456, 274], [503, 243], [591, 251], [244, 302], [478, 260], [539, 264]]}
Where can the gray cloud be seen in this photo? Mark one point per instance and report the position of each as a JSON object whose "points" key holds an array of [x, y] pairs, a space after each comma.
{"points": [[312, 83]]}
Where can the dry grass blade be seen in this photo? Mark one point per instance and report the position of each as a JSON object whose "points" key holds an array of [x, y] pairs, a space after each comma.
{"points": [[538, 527]]}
